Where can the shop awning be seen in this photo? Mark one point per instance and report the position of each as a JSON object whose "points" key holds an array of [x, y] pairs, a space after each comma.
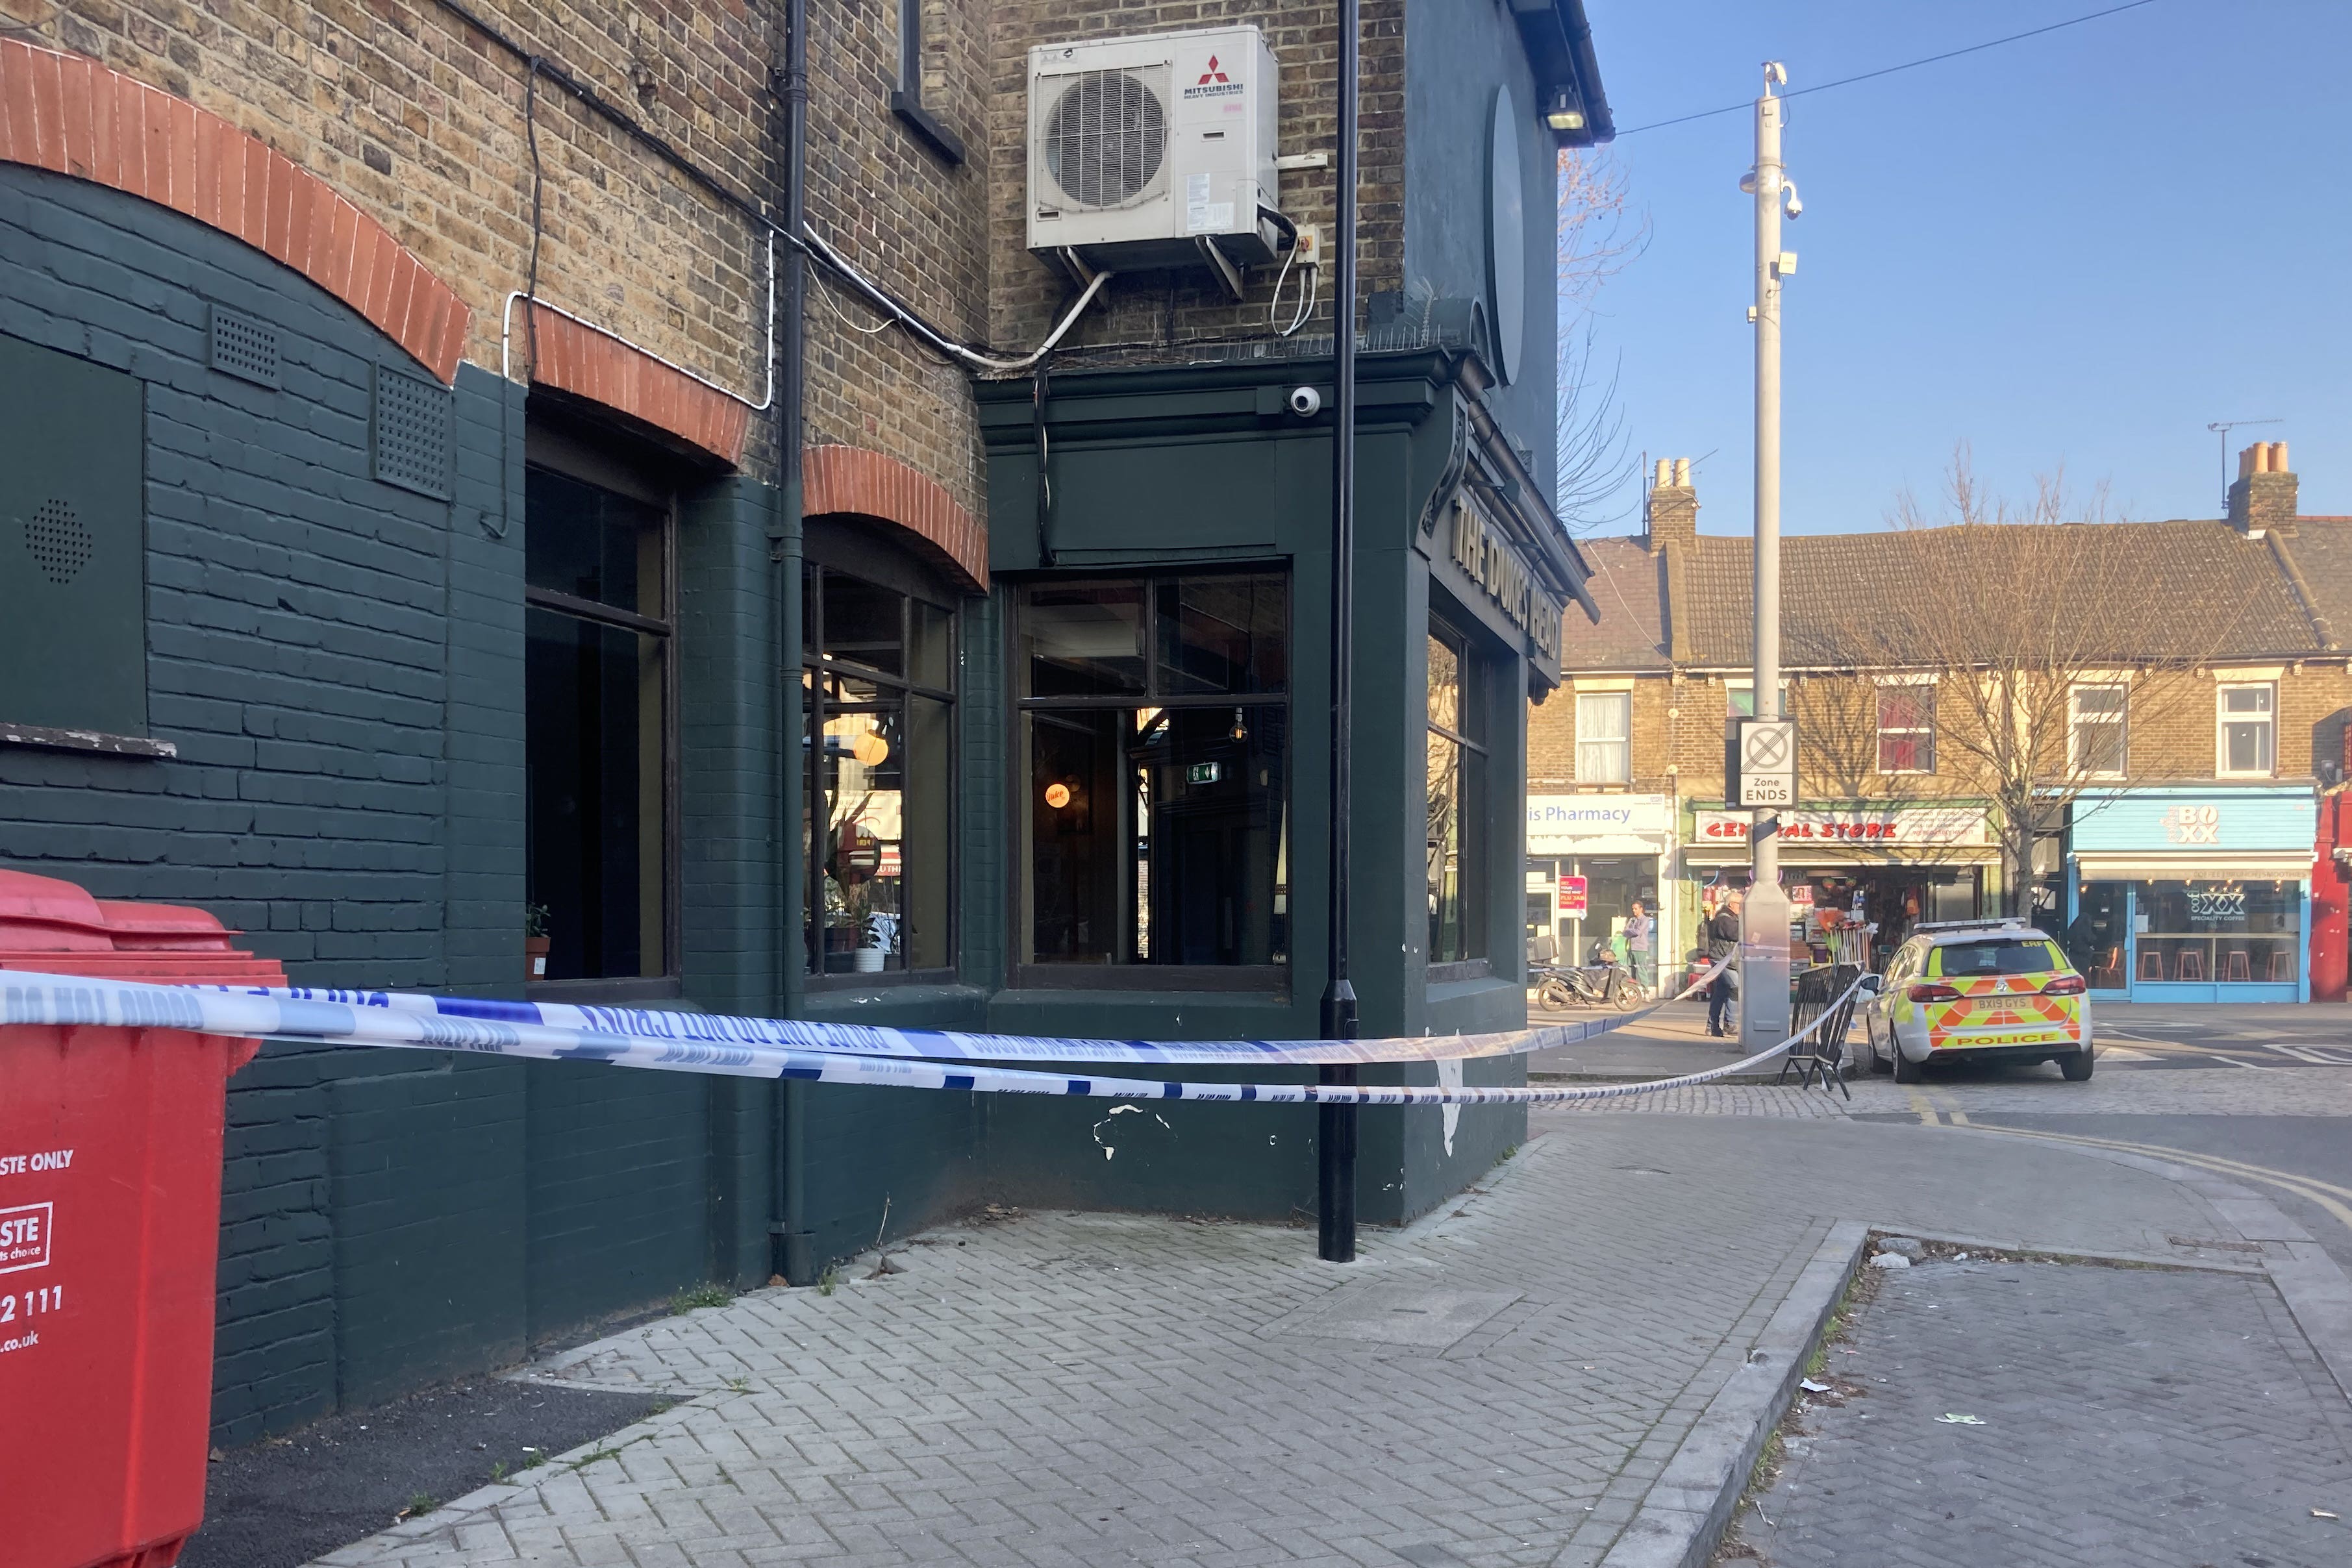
{"points": [[2280, 867]]}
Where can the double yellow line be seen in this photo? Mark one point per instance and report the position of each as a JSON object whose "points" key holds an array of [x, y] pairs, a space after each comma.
{"points": [[2336, 1200]]}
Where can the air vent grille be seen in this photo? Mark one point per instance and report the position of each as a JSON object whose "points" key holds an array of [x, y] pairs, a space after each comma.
{"points": [[412, 433], [243, 348], [57, 540], [1106, 139]]}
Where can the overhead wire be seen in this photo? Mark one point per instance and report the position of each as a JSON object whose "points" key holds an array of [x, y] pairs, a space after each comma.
{"points": [[1748, 104]]}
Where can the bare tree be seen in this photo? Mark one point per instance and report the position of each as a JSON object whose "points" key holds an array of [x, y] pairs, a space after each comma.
{"points": [[1600, 232], [2015, 642]]}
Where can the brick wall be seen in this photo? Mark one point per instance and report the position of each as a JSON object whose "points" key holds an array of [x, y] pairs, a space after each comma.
{"points": [[908, 219], [1678, 724], [419, 120], [1028, 294]]}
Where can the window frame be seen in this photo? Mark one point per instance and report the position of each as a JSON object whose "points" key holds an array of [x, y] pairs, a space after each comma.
{"points": [[554, 448], [2222, 720], [1025, 972], [907, 95], [2074, 721], [877, 567], [1881, 731], [1624, 742], [1469, 651]]}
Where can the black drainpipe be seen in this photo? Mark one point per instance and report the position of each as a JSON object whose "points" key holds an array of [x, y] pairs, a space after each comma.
{"points": [[792, 1254]]}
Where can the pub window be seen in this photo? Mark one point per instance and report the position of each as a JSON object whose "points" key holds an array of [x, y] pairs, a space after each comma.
{"points": [[1457, 796], [2247, 723], [2096, 715], [1906, 728], [1603, 725], [877, 696], [1156, 721], [597, 704]]}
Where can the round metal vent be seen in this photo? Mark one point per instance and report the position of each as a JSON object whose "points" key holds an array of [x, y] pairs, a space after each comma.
{"points": [[57, 543], [1106, 139]]}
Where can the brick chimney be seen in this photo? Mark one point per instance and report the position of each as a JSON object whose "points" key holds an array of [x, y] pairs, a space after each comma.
{"points": [[2262, 500], [1671, 514]]}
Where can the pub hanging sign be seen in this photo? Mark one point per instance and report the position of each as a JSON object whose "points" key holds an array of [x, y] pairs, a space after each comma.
{"points": [[1495, 565]]}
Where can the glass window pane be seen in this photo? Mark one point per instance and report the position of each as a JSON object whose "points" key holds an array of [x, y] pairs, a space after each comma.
{"points": [[1158, 836], [592, 544], [1083, 639], [931, 648], [864, 623], [2247, 699], [1444, 683], [862, 769], [928, 834], [1077, 823], [1224, 633], [1209, 805], [1443, 848], [593, 699], [1740, 702]]}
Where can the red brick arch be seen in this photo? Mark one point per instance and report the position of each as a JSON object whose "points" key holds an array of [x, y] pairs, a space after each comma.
{"points": [[70, 115], [837, 478]]}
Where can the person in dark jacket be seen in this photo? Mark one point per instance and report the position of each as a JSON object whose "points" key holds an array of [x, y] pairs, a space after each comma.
{"points": [[1722, 941]]}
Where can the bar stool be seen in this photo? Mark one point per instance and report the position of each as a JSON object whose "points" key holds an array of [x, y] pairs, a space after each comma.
{"points": [[2282, 964], [2192, 963], [2237, 963], [2151, 964], [2110, 972]]}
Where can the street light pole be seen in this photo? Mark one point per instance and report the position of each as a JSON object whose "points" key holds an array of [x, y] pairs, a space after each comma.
{"points": [[1764, 935], [1335, 1125]]}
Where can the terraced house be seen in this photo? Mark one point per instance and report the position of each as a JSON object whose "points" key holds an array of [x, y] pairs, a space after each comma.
{"points": [[2120, 727], [778, 508]]}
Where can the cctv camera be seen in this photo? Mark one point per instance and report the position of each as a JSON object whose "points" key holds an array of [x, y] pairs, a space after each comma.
{"points": [[1796, 206], [1306, 402]]}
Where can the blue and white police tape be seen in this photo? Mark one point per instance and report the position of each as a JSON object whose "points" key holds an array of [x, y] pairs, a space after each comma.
{"points": [[949, 1045], [62, 1000]]}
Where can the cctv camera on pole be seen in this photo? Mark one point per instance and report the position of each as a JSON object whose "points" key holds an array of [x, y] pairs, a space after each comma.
{"points": [[1767, 741]]}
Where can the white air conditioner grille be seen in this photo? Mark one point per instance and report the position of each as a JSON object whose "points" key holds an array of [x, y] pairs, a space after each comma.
{"points": [[1106, 138]]}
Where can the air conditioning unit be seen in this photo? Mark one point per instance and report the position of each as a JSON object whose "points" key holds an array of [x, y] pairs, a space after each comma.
{"points": [[1154, 152]]}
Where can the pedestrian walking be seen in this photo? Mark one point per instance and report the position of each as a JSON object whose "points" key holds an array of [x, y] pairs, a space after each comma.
{"points": [[1722, 942], [1638, 948]]}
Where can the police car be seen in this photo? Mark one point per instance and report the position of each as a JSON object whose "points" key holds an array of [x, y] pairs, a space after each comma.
{"points": [[1980, 991]]}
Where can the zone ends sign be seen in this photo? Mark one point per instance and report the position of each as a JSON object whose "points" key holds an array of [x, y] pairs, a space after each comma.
{"points": [[1759, 761]]}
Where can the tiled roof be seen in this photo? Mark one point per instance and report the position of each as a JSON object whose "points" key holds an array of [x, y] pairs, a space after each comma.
{"points": [[2189, 588]]}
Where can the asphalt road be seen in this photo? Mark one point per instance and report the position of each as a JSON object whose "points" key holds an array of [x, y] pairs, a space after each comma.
{"points": [[2302, 1163]]}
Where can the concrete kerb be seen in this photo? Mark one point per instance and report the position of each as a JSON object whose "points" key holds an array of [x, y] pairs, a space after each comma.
{"points": [[1685, 1513]]}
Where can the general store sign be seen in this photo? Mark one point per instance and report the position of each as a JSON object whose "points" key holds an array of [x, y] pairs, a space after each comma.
{"points": [[1941, 827]]}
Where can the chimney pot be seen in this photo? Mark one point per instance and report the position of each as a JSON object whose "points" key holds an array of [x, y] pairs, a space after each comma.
{"points": [[2263, 499], [1671, 512]]}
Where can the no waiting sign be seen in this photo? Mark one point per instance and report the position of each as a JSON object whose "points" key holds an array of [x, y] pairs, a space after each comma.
{"points": [[1766, 754]]}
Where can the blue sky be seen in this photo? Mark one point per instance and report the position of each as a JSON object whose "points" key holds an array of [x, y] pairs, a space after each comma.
{"points": [[2075, 250]]}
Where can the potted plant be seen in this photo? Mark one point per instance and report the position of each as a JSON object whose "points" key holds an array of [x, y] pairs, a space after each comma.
{"points": [[534, 941], [879, 934]]}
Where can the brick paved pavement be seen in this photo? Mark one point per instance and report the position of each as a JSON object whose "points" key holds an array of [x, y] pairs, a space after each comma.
{"points": [[1497, 1386], [2130, 1416]]}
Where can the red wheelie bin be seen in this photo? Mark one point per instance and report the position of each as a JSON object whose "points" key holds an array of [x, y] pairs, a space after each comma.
{"points": [[110, 1223]]}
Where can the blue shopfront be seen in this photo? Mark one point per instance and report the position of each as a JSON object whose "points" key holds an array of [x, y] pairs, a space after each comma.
{"points": [[2195, 893]]}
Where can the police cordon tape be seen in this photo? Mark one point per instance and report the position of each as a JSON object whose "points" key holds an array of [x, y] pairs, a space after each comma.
{"points": [[868, 1040], [68, 1001]]}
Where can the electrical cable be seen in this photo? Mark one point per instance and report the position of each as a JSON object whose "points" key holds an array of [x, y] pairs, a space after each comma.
{"points": [[1890, 71], [812, 245]]}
